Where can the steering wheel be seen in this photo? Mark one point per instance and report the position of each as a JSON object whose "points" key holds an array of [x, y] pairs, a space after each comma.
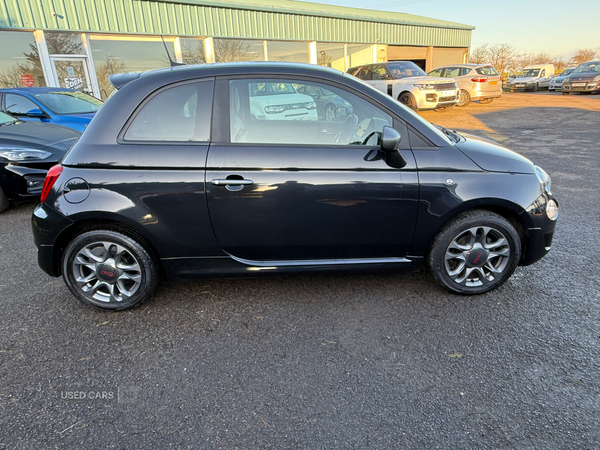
{"points": [[346, 130]]}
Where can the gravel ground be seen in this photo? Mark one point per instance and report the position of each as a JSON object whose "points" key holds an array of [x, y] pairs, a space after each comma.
{"points": [[329, 361]]}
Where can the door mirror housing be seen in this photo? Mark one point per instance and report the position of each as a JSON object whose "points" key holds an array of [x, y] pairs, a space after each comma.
{"points": [[390, 138], [35, 113]]}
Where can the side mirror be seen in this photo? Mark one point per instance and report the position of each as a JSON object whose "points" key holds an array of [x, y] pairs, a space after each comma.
{"points": [[35, 113], [390, 139]]}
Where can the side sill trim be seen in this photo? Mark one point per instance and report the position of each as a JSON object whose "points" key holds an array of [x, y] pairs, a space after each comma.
{"points": [[319, 262]]}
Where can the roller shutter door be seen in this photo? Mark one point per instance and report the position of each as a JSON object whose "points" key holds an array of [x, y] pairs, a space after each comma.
{"points": [[445, 56], [395, 53]]}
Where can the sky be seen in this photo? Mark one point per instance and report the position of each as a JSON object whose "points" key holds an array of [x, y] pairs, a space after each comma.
{"points": [[530, 26]]}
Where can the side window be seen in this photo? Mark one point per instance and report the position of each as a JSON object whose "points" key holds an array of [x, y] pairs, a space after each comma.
{"points": [[452, 72], [364, 73], [543, 74], [380, 73], [464, 71], [435, 73], [18, 105], [181, 113], [284, 112]]}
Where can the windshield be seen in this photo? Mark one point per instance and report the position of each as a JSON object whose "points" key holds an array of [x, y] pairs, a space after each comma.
{"points": [[66, 102], [6, 119], [530, 73], [592, 66], [566, 72], [405, 69]]}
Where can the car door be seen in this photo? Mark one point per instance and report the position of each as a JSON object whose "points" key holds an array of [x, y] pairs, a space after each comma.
{"points": [[289, 189]]}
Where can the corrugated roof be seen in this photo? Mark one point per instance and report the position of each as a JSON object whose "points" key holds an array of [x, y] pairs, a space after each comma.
{"points": [[321, 10]]}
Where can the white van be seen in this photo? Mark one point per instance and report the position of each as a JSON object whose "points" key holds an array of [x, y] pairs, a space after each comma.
{"points": [[532, 78]]}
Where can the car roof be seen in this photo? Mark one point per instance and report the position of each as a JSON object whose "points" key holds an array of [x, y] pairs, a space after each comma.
{"points": [[466, 65], [36, 90], [229, 68]]}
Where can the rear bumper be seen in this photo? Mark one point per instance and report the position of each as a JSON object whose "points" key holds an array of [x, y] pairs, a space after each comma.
{"points": [[47, 226]]}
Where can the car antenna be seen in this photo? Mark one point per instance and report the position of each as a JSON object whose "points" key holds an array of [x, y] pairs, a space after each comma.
{"points": [[171, 62]]}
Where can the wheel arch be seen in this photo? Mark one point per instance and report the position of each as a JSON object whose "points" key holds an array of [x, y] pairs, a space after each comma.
{"points": [[102, 223], [503, 208]]}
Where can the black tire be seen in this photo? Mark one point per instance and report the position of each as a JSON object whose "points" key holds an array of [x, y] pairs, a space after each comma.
{"points": [[534, 88], [486, 101], [464, 98], [408, 99], [565, 93], [3, 200], [443, 109], [109, 270], [463, 257]]}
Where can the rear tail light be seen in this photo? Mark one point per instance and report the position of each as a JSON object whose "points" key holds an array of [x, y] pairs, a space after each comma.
{"points": [[51, 178], [479, 80]]}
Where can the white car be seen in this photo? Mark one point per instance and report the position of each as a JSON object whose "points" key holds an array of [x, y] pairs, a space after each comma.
{"points": [[280, 101], [409, 84], [532, 78]]}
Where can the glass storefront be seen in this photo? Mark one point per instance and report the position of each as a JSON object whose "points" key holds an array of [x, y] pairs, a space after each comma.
{"points": [[19, 60], [192, 51], [331, 54], [64, 43], [287, 51], [359, 54], [235, 50], [116, 54]]}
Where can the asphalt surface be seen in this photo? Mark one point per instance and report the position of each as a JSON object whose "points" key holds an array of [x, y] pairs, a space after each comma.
{"points": [[327, 362]]}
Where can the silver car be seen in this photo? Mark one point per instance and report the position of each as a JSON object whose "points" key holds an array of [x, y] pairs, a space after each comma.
{"points": [[476, 81], [557, 82]]}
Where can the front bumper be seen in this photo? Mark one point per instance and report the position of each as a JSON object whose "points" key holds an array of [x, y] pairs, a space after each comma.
{"points": [[22, 182], [433, 99], [538, 241], [581, 86]]}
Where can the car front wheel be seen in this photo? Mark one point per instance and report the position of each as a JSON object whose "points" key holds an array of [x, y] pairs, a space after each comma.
{"points": [[409, 100], [109, 270], [475, 252]]}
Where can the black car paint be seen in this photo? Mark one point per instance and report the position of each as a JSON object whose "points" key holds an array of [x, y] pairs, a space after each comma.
{"points": [[14, 175], [162, 193]]}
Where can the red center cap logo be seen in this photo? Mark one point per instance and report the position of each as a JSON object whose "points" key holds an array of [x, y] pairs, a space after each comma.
{"points": [[477, 257], [107, 273]]}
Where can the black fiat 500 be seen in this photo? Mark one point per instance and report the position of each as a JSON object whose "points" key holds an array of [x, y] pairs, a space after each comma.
{"points": [[228, 170]]}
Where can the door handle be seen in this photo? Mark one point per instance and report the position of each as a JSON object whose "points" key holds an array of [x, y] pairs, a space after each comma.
{"points": [[225, 182]]}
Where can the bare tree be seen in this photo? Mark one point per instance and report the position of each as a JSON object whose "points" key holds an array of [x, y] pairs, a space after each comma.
{"points": [[583, 55], [559, 64], [480, 55], [106, 68], [501, 56], [193, 53], [231, 50]]}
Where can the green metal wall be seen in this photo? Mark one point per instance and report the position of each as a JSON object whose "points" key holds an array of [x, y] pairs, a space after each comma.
{"points": [[152, 17]]}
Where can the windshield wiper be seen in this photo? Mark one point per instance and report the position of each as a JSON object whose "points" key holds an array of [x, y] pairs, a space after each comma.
{"points": [[452, 135]]}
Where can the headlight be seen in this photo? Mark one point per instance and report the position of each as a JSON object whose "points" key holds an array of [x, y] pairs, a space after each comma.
{"points": [[596, 78], [424, 86], [23, 154], [543, 178], [566, 80]]}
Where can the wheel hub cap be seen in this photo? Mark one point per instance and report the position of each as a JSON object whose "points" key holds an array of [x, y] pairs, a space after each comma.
{"points": [[107, 272], [476, 257]]}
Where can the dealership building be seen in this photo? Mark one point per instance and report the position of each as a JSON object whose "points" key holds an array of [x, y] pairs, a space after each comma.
{"points": [[79, 43]]}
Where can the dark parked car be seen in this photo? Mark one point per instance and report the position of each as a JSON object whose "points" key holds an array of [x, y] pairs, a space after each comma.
{"points": [[176, 176], [61, 106], [585, 78], [27, 151]]}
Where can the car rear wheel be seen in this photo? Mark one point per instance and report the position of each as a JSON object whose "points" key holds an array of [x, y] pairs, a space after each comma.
{"points": [[486, 101], [3, 200], [475, 252], [464, 98], [109, 270], [409, 100]]}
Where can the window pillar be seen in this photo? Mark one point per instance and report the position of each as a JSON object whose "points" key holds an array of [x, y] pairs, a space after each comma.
{"points": [[42, 47], [209, 50], [312, 53]]}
